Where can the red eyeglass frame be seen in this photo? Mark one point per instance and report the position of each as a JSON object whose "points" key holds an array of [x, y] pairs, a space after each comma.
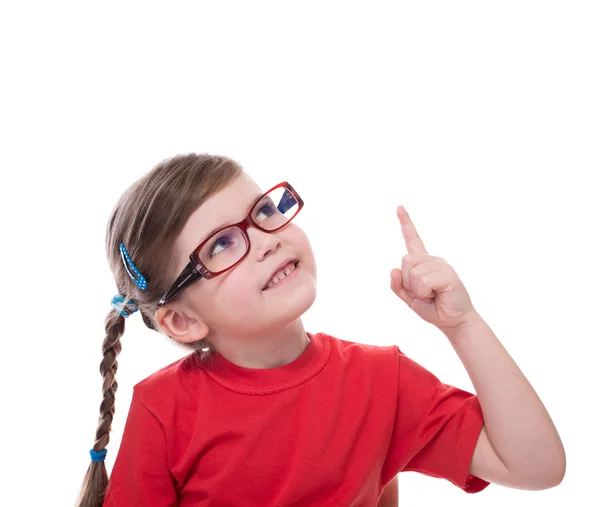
{"points": [[195, 270]]}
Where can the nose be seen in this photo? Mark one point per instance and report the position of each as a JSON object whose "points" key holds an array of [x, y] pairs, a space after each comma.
{"points": [[262, 243]]}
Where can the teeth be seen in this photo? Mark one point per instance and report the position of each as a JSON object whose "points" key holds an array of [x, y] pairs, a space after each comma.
{"points": [[280, 275]]}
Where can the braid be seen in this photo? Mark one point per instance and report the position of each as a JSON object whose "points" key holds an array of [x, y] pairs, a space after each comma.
{"points": [[96, 479], [115, 326]]}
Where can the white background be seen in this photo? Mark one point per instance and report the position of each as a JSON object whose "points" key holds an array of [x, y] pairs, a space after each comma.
{"points": [[481, 118]]}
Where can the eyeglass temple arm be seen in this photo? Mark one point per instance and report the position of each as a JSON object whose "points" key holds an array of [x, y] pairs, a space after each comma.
{"points": [[188, 276]]}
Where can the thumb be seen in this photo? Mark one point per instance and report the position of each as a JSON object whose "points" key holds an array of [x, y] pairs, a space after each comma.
{"points": [[396, 276], [397, 286]]}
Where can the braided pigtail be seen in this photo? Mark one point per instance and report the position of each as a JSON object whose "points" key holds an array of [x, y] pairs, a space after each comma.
{"points": [[96, 479], [148, 218]]}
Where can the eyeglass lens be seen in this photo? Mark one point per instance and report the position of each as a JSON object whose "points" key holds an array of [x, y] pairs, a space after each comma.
{"points": [[228, 246]]}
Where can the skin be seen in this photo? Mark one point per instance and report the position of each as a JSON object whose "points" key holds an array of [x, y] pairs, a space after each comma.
{"points": [[389, 496], [519, 446], [266, 330]]}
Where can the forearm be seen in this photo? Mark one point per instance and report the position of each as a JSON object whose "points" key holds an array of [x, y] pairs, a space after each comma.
{"points": [[518, 425], [389, 496]]}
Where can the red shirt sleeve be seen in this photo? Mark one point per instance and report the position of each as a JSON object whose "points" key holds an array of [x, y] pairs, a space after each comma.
{"points": [[435, 430], [140, 475]]}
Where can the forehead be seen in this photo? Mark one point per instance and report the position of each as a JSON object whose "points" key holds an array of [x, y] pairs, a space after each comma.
{"points": [[227, 206]]}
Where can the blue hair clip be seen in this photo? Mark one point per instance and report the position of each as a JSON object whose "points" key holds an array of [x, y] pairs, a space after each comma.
{"points": [[139, 279], [123, 308], [98, 456]]}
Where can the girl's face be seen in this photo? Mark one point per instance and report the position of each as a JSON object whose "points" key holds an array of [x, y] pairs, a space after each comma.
{"points": [[234, 304]]}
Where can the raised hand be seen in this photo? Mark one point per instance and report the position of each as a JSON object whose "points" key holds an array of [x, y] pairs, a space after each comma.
{"points": [[428, 284]]}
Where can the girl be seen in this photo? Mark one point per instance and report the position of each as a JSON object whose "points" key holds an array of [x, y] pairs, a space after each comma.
{"points": [[262, 412]]}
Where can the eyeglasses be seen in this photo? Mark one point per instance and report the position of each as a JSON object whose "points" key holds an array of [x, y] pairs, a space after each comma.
{"points": [[228, 246]]}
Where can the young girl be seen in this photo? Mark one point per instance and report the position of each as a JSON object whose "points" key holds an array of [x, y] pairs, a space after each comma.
{"points": [[262, 412]]}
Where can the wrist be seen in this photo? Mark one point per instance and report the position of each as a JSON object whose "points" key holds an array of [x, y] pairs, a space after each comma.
{"points": [[470, 320]]}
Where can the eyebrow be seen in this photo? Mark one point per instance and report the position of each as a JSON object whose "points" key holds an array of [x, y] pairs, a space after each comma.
{"points": [[215, 229]]}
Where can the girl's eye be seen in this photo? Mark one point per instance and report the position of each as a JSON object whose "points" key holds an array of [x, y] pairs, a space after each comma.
{"points": [[266, 210], [219, 245]]}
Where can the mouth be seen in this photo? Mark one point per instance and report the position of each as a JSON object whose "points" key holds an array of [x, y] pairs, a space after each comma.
{"points": [[282, 274]]}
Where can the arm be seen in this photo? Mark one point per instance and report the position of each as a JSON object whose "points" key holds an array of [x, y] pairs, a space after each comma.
{"points": [[519, 445], [389, 496], [140, 475]]}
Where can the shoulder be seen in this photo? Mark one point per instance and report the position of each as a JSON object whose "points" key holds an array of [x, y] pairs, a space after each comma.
{"points": [[163, 376], [363, 371], [355, 352], [168, 384], [359, 347]]}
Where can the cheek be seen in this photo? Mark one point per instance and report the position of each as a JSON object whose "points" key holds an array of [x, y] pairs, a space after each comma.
{"points": [[306, 253], [298, 238], [222, 293], [214, 304], [236, 304], [237, 290]]}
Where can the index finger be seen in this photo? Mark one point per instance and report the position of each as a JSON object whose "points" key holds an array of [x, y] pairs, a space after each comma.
{"points": [[413, 241]]}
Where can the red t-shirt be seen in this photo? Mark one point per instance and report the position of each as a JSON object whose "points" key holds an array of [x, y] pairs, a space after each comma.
{"points": [[331, 428]]}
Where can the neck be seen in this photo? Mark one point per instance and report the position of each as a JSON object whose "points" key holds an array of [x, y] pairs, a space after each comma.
{"points": [[270, 351]]}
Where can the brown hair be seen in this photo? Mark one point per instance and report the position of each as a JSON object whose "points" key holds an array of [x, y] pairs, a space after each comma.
{"points": [[147, 219]]}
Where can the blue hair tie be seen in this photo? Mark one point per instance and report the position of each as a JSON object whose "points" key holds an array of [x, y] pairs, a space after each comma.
{"points": [[122, 308], [139, 279], [98, 456]]}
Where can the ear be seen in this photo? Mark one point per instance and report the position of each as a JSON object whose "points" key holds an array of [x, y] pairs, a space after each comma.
{"points": [[181, 325]]}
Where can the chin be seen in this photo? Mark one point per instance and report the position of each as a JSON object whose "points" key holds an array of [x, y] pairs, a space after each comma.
{"points": [[300, 302]]}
